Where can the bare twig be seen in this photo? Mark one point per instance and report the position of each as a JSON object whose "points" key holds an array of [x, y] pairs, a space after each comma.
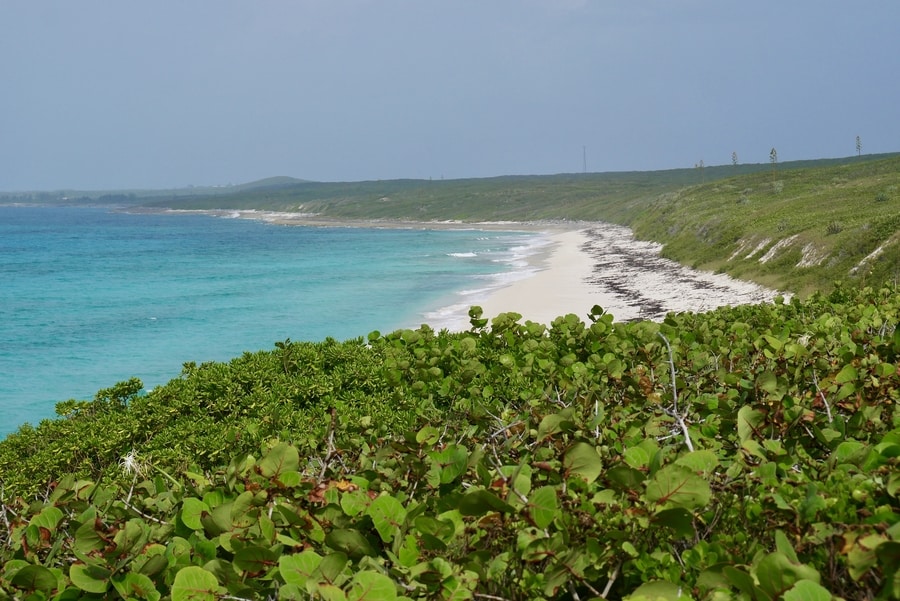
{"points": [[330, 452], [611, 581], [674, 413], [822, 396]]}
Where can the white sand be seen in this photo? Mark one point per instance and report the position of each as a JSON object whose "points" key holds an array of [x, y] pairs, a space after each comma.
{"points": [[604, 265]]}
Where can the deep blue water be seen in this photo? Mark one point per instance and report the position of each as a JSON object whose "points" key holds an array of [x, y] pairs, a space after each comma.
{"points": [[90, 297]]}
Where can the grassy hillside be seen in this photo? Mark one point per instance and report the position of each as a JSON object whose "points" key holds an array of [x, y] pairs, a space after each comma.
{"points": [[795, 229]]}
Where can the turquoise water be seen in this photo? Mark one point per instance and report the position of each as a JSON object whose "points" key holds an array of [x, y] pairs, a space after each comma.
{"points": [[90, 297]]}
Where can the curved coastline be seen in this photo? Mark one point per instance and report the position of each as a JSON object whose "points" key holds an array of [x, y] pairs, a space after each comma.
{"points": [[573, 266]]}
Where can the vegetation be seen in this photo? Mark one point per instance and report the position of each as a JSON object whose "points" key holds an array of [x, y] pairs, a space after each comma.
{"points": [[749, 452], [800, 232]]}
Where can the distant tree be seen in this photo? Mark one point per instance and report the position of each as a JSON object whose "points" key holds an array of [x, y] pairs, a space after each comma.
{"points": [[858, 146], [773, 157], [734, 160]]}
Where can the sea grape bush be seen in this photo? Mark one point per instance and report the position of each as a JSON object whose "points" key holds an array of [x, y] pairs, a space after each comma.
{"points": [[511, 461]]}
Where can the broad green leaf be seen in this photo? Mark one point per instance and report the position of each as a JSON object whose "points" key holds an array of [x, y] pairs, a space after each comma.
{"points": [[677, 486], [847, 374], [544, 506], [428, 435], [848, 452], [297, 569], [554, 423], [748, 420], [136, 586], [450, 463], [331, 568], [192, 510], [702, 461], [48, 518], [680, 520], [776, 573], [388, 516], [254, 560], [90, 579], [583, 460], [783, 545], [479, 502], [330, 592], [659, 590], [290, 479], [354, 502], [637, 457], [807, 590], [371, 586], [35, 578], [280, 458], [350, 542], [193, 583], [767, 381]]}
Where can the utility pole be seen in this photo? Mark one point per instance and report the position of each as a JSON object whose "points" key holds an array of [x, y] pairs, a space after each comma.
{"points": [[584, 159]]}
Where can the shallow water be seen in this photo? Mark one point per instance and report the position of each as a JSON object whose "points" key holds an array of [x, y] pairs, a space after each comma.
{"points": [[91, 297]]}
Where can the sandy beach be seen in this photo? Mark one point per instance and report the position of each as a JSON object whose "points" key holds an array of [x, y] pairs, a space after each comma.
{"points": [[602, 264]]}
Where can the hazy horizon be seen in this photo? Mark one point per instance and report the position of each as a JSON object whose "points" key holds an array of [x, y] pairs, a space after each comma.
{"points": [[119, 96]]}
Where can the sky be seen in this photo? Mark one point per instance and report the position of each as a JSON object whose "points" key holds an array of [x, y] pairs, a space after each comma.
{"points": [[99, 95]]}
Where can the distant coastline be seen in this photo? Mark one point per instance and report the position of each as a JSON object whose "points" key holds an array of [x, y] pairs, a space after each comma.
{"points": [[584, 264]]}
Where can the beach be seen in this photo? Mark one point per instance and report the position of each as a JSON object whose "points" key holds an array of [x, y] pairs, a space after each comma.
{"points": [[602, 264], [583, 264]]}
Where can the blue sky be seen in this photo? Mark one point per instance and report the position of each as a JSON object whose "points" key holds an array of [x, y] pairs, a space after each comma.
{"points": [[105, 95]]}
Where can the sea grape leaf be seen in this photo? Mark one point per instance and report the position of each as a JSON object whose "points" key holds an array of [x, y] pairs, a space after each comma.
{"points": [[479, 502], [767, 381], [428, 435], [777, 573], [254, 560], [807, 590], [90, 579], [193, 583], [371, 586], [48, 518], [677, 486], [847, 374], [297, 569], [702, 461], [555, 423], [544, 506], [449, 463], [624, 477], [388, 516], [748, 420], [637, 457], [583, 460], [34, 578], [331, 567], [136, 586], [192, 511], [283, 457], [354, 502], [679, 519], [351, 542], [653, 591]]}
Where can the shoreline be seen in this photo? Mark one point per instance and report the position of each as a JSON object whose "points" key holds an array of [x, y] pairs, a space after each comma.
{"points": [[583, 264], [604, 265]]}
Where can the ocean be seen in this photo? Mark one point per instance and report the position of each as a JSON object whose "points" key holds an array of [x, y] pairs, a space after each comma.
{"points": [[92, 296]]}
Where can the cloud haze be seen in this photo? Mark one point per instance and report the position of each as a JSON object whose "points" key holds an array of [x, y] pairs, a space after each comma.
{"points": [[99, 95]]}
